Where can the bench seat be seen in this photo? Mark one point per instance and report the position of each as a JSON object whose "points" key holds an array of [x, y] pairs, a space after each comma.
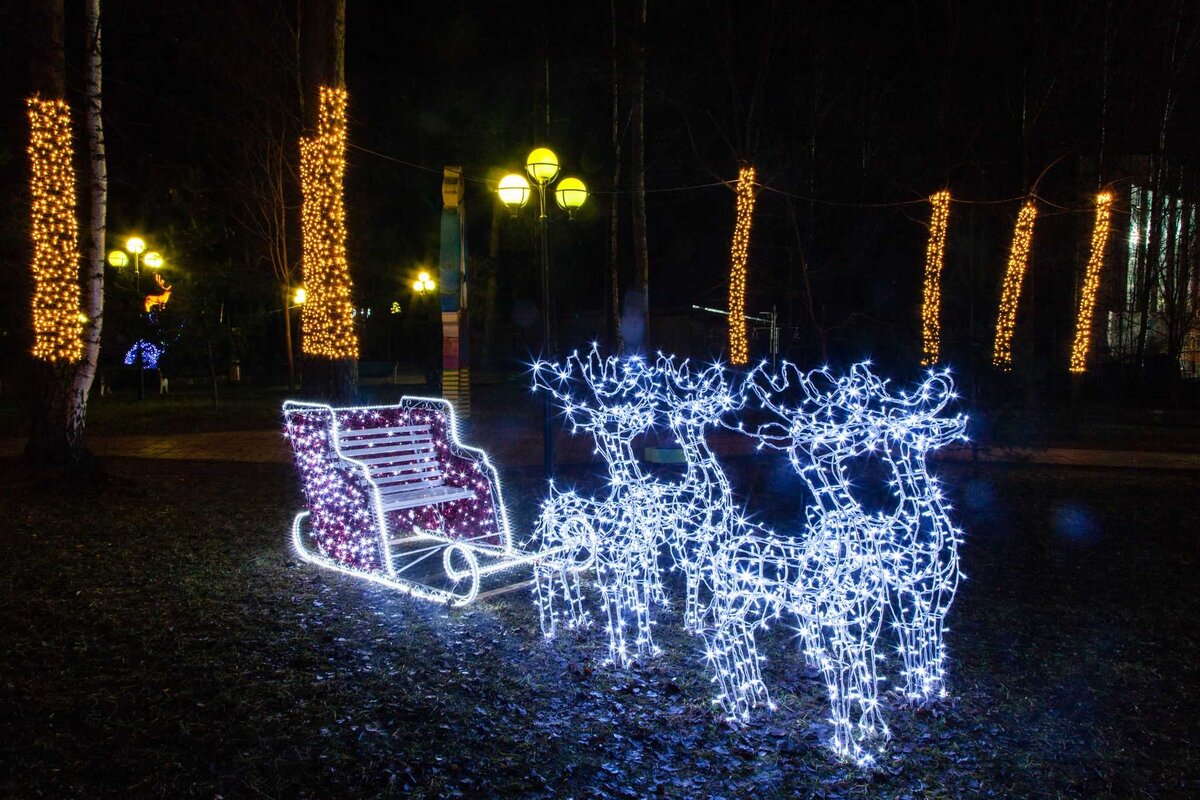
{"points": [[402, 462]]}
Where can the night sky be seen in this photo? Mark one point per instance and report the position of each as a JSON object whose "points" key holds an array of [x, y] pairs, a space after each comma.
{"points": [[852, 113]]}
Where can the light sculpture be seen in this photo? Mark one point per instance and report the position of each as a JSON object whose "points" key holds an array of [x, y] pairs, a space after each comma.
{"points": [[160, 300], [844, 572], [1091, 281], [328, 315], [739, 351], [935, 252], [1014, 276], [150, 354], [850, 564], [617, 534], [346, 527], [57, 325]]}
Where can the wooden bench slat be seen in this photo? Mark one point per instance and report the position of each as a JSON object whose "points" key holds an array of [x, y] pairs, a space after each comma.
{"points": [[401, 483], [395, 430], [386, 445], [399, 458], [384, 479], [441, 494]]}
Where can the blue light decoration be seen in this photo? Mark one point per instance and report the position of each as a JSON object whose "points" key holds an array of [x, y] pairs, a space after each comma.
{"points": [[839, 576], [151, 353]]}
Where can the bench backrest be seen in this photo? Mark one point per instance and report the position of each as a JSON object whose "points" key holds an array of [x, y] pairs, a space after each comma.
{"points": [[398, 458]]}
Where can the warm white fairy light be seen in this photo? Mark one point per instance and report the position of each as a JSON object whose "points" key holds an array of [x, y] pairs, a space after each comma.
{"points": [[348, 526], [328, 313], [1091, 281], [1014, 276], [739, 352], [935, 253], [57, 316]]}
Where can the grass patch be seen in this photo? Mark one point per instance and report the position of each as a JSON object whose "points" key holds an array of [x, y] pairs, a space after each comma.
{"points": [[162, 641]]}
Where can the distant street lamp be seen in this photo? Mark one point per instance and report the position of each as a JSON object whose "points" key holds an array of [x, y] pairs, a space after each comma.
{"points": [[423, 283], [135, 246], [542, 166]]}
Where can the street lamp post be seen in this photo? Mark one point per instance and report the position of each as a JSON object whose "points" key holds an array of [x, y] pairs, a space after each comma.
{"points": [[542, 167], [135, 246]]}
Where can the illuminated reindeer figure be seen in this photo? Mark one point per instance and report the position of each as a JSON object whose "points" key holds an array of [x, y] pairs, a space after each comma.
{"points": [[830, 579], [158, 300], [617, 534], [921, 554], [850, 563], [701, 510]]}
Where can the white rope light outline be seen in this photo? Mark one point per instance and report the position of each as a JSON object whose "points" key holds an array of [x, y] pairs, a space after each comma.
{"points": [[340, 487]]}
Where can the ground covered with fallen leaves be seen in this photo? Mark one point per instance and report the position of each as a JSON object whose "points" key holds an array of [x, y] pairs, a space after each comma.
{"points": [[161, 640]]}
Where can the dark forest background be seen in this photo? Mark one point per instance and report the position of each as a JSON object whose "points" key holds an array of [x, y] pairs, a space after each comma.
{"points": [[852, 113]]}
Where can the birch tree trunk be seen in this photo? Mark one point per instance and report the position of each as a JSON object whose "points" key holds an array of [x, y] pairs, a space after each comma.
{"points": [[56, 440], [93, 282]]}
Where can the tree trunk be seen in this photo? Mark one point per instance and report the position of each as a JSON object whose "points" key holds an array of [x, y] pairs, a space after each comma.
{"points": [[56, 440], [637, 168], [614, 322], [93, 294], [287, 336], [322, 63]]}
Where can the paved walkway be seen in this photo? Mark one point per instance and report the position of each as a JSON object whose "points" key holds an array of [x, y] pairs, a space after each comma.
{"points": [[524, 449]]}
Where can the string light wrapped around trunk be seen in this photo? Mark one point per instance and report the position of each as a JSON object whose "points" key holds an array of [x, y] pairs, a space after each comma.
{"points": [[1087, 298], [935, 251], [328, 315], [1014, 276], [739, 352], [57, 316]]}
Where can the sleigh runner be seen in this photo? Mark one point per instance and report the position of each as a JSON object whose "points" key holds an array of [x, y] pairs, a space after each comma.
{"points": [[393, 496]]}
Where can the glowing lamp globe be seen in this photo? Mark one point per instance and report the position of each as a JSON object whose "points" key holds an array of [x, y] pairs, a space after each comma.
{"points": [[300, 296], [135, 245], [542, 165], [570, 194], [513, 191], [153, 260], [118, 259], [418, 286]]}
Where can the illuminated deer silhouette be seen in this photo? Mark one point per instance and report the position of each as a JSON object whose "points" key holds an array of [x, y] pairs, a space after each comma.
{"points": [[616, 534], [158, 300]]}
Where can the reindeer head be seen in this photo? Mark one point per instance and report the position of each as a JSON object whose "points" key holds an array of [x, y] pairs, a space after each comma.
{"points": [[693, 398], [605, 396]]}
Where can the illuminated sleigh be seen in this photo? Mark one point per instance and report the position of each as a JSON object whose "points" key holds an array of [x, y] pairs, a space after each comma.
{"points": [[393, 496]]}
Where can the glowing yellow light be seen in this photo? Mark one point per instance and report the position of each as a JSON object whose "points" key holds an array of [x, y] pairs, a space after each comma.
{"points": [[1018, 260], [513, 190], [57, 327], [153, 260], [542, 165], [418, 286], [300, 296], [1087, 298], [118, 259], [739, 351], [935, 252], [135, 245], [570, 194], [423, 277], [327, 319]]}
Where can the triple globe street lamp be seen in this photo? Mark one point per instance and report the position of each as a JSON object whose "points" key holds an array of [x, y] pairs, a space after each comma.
{"points": [[570, 193], [119, 259]]}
